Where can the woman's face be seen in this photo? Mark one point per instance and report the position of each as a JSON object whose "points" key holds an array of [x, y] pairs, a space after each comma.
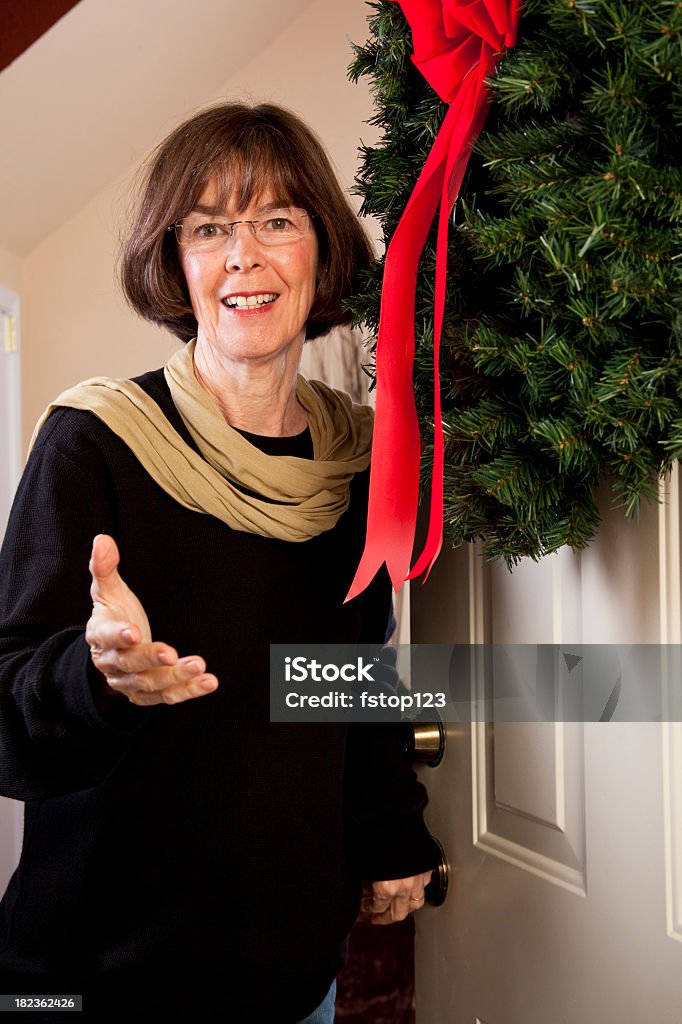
{"points": [[243, 266]]}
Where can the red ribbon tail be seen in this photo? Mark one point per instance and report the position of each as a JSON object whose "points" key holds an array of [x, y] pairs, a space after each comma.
{"points": [[394, 478], [458, 158], [455, 48]]}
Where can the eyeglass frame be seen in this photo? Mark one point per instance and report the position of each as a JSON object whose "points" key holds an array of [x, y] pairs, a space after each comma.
{"points": [[234, 223]]}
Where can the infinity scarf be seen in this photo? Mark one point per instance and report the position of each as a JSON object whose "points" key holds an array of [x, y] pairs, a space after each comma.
{"points": [[296, 498]]}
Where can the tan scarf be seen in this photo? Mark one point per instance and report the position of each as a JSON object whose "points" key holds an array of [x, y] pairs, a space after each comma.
{"points": [[297, 498]]}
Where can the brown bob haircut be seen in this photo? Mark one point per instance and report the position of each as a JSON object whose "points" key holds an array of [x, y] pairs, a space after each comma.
{"points": [[246, 150]]}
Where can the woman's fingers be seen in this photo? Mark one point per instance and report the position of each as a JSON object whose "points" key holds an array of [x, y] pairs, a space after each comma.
{"points": [[396, 909], [104, 566], [115, 656], [103, 633], [143, 675], [393, 900], [160, 678], [111, 596], [118, 619], [196, 686]]}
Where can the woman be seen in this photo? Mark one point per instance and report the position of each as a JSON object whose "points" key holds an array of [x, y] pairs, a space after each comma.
{"points": [[181, 852]]}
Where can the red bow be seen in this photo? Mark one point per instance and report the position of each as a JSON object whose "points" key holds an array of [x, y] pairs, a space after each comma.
{"points": [[457, 44]]}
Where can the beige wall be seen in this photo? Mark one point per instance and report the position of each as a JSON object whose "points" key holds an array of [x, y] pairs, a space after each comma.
{"points": [[75, 324], [10, 271]]}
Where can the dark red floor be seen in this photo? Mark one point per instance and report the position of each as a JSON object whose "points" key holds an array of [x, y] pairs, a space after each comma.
{"points": [[377, 984]]}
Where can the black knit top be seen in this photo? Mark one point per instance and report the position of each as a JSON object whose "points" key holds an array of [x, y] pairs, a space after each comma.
{"points": [[193, 858]]}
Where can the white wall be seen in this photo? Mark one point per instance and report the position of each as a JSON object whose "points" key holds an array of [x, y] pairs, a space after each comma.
{"points": [[75, 324]]}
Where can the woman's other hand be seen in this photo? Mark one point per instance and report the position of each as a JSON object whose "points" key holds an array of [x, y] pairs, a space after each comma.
{"points": [[121, 644], [391, 901]]}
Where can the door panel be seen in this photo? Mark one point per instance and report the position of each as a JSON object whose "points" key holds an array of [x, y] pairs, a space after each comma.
{"points": [[564, 839], [549, 843]]}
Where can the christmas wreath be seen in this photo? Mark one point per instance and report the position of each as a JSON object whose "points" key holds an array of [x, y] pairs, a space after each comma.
{"points": [[561, 357]]}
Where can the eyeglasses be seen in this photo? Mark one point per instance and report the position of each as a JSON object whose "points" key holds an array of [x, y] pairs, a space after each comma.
{"points": [[200, 232]]}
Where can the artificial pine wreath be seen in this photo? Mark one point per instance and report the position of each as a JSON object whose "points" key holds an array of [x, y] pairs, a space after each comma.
{"points": [[562, 338]]}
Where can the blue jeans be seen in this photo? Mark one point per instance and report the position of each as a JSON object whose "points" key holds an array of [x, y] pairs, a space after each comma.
{"points": [[324, 1014]]}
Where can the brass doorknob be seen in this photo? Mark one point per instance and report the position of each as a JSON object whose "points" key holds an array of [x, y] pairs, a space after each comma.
{"points": [[437, 889], [424, 738]]}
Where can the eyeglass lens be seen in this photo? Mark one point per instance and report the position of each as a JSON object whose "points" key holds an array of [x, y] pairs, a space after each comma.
{"points": [[277, 227]]}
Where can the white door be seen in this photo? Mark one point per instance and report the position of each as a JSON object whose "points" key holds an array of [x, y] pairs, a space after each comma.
{"points": [[10, 463], [564, 840]]}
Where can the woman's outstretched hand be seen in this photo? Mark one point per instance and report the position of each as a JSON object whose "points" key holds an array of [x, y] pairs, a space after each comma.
{"points": [[121, 645]]}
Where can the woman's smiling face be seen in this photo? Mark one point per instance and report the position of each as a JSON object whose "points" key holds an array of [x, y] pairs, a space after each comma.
{"points": [[241, 267]]}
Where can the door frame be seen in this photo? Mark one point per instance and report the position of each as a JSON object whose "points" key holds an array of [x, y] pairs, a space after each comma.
{"points": [[11, 438]]}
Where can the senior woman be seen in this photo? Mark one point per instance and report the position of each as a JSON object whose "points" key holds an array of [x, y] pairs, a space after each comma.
{"points": [[181, 853]]}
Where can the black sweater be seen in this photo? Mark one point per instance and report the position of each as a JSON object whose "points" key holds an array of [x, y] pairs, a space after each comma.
{"points": [[196, 856]]}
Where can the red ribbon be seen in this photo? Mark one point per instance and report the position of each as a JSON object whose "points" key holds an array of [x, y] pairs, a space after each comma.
{"points": [[457, 44]]}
